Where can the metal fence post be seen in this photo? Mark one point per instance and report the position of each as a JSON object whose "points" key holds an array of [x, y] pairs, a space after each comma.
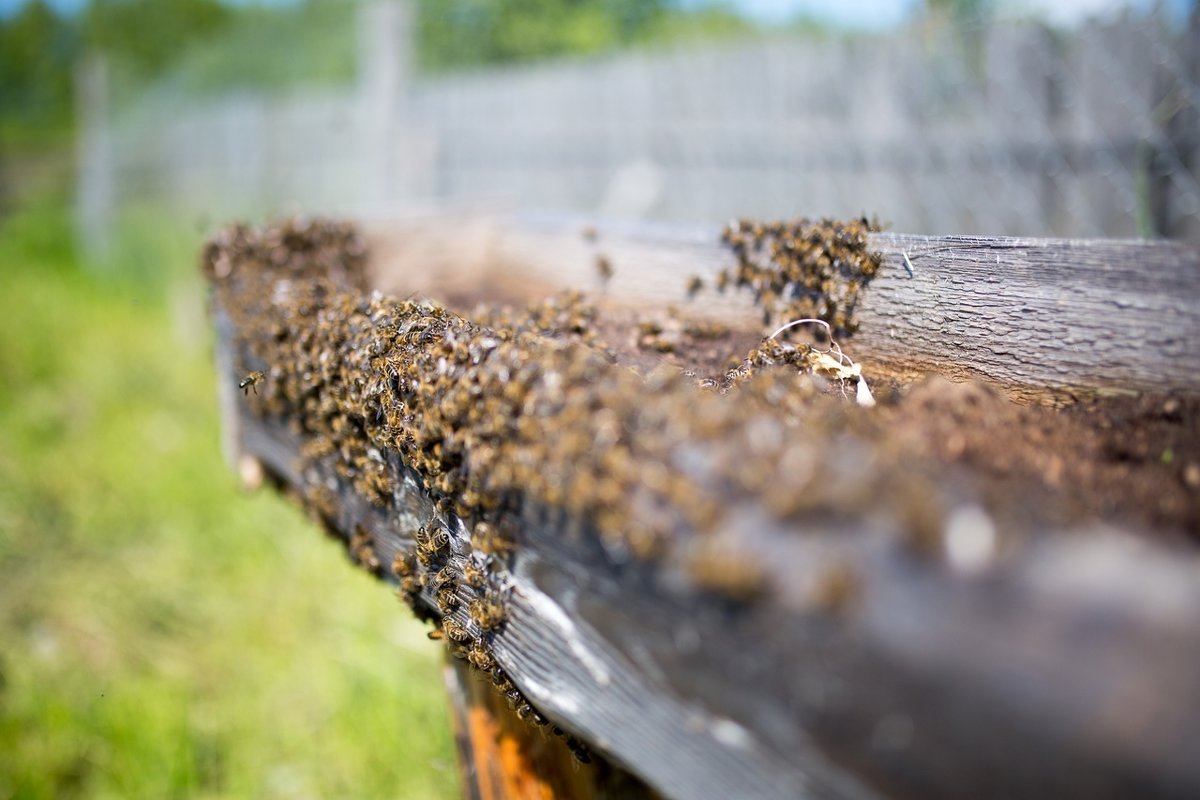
{"points": [[385, 74], [95, 179], [1177, 210]]}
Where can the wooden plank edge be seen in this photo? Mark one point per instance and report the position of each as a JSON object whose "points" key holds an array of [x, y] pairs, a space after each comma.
{"points": [[1038, 315], [1078, 649]]}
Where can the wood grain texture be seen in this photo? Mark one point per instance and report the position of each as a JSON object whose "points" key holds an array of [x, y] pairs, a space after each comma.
{"points": [[1067, 670], [505, 758], [1051, 314]]}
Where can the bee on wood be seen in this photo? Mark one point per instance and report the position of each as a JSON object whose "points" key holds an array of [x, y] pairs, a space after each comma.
{"points": [[447, 600], [251, 381], [578, 749], [402, 564], [649, 327], [474, 575], [695, 284], [489, 540], [444, 576], [410, 587], [530, 714], [488, 613], [501, 681], [479, 657], [735, 575], [604, 268], [836, 589], [431, 542], [456, 632], [363, 552], [439, 539]]}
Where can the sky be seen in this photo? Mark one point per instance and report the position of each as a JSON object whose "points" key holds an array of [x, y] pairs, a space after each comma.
{"points": [[859, 14]]}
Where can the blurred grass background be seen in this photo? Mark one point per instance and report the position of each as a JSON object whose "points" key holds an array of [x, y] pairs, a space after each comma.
{"points": [[161, 633]]}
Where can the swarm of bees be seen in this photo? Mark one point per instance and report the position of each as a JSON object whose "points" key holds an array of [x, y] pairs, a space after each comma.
{"points": [[802, 269], [567, 316], [521, 406], [670, 331]]}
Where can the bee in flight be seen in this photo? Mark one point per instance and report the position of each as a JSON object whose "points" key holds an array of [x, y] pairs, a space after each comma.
{"points": [[251, 381]]}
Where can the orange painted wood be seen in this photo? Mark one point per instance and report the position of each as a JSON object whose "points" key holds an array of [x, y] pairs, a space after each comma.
{"points": [[503, 757]]}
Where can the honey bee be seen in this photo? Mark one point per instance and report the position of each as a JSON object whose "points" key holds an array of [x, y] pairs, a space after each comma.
{"points": [[479, 657], [474, 575], [440, 539], [456, 632], [363, 551], [836, 589], [501, 681], [251, 381], [431, 542], [488, 613], [489, 540], [402, 564], [447, 600], [444, 576], [427, 554], [734, 575], [604, 268], [530, 714], [695, 284], [578, 749]]}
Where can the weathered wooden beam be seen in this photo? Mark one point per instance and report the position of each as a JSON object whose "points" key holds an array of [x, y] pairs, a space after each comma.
{"points": [[1030, 314], [1068, 670], [505, 758], [1063, 668]]}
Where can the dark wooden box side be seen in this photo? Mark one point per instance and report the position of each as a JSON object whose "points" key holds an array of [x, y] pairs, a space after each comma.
{"points": [[934, 685]]}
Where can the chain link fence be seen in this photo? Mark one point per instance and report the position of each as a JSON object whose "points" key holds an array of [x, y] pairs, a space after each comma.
{"points": [[986, 127]]}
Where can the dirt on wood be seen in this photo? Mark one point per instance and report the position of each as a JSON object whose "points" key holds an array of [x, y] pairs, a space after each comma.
{"points": [[659, 431], [1131, 460], [467, 405]]}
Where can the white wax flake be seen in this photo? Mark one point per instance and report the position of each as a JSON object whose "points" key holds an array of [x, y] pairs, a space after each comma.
{"points": [[863, 394], [831, 367]]}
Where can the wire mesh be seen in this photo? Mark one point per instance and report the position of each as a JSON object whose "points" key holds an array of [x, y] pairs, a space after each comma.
{"points": [[947, 126]]}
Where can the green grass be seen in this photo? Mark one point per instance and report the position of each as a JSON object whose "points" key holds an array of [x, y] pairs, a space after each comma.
{"points": [[161, 633]]}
